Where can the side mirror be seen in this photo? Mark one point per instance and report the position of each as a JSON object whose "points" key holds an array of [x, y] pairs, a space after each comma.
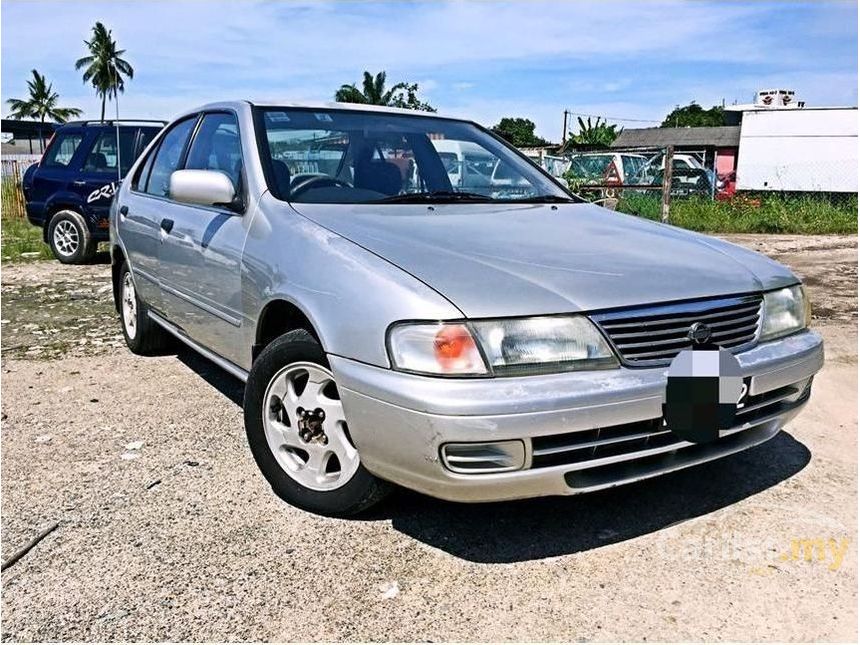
{"points": [[204, 187]]}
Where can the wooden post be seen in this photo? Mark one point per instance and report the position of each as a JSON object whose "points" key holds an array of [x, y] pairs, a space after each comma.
{"points": [[667, 183]]}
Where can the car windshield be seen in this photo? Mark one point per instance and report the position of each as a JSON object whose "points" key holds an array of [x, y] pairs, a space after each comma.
{"points": [[353, 157]]}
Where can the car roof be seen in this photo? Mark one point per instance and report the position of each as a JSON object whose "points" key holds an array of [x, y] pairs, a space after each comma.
{"points": [[322, 105], [123, 123]]}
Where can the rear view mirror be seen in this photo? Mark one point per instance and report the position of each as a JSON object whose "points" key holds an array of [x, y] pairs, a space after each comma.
{"points": [[203, 187]]}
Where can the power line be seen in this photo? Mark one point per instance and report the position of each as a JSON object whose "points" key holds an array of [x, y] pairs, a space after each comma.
{"points": [[614, 118]]}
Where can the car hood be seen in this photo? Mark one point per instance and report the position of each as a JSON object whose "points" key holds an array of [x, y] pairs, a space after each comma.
{"points": [[528, 259]]}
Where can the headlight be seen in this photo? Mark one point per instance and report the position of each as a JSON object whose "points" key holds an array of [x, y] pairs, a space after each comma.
{"points": [[785, 312], [501, 347]]}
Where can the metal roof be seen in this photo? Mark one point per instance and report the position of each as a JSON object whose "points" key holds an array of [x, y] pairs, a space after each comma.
{"points": [[726, 135]]}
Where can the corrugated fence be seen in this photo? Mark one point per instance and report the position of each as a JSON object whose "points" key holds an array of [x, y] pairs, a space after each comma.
{"points": [[13, 167]]}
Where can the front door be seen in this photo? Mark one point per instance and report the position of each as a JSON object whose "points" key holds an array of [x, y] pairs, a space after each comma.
{"points": [[200, 257]]}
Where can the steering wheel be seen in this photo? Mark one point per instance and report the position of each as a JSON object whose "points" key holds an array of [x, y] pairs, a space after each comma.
{"points": [[317, 181]]}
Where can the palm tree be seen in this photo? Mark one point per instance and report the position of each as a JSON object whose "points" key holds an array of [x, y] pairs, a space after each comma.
{"points": [[104, 66], [42, 104], [373, 92]]}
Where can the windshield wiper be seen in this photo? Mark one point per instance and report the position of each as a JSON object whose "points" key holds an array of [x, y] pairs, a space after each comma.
{"points": [[441, 196], [542, 199]]}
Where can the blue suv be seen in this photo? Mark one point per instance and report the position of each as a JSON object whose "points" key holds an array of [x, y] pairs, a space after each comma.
{"points": [[68, 193]]}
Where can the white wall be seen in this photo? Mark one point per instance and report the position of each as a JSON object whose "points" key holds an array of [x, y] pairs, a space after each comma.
{"points": [[801, 150]]}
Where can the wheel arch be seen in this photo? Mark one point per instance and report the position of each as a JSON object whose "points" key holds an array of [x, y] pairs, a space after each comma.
{"points": [[278, 317], [117, 258], [62, 203]]}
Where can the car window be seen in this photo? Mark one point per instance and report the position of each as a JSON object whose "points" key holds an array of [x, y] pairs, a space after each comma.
{"points": [[216, 147], [103, 155], [62, 149], [590, 166], [146, 137], [345, 156], [167, 158], [632, 166]]}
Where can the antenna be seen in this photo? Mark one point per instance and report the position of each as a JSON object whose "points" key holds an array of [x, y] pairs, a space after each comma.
{"points": [[116, 104]]}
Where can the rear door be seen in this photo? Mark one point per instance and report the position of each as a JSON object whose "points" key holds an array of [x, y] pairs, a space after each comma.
{"points": [[102, 169], [146, 206], [54, 175]]}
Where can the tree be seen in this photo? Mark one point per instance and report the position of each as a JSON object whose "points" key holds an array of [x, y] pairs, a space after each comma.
{"points": [[693, 116], [41, 104], [518, 132], [104, 67], [373, 92], [596, 134]]}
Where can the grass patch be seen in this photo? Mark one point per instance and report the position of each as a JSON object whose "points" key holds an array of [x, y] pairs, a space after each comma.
{"points": [[759, 213], [21, 241]]}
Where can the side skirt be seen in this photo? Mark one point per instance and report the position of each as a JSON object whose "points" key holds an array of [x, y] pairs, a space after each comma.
{"points": [[220, 361]]}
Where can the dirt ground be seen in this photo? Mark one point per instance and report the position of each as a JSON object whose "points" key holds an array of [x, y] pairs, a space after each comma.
{"points": [[168, 532]]}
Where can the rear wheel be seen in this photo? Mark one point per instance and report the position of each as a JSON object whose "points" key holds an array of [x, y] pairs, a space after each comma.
{"points": [[142, 335], [70, 238], [298, 432]]}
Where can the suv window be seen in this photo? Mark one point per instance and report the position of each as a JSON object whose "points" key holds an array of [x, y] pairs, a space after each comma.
{"points": [[167, 158], [62, 149], [216, 147], [103, 156]]}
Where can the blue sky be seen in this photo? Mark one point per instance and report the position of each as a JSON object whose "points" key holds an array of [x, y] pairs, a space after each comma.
{"points": [[484, 60]]}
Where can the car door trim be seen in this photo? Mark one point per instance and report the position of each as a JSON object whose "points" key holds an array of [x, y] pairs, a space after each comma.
{"points": [[236, 322], [219, 360]]}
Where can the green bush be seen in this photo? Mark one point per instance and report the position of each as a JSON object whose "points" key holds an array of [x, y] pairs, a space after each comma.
{"points": [[753, 213]]}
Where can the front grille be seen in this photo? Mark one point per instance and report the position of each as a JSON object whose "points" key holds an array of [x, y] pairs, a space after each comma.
{"points": [[654, 335], [626, 444]]}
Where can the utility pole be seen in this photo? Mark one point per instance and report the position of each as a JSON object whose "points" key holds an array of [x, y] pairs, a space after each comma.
{"points": [[564, 129]]}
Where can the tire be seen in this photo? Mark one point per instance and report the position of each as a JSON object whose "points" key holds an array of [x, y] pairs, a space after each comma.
{"points": [[142, 335], [70, 239], [298, 471]]}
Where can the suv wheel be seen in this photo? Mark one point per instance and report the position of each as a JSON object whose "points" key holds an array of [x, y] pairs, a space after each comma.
{"points": [[70, 238], [298, 433], [142, 335]]}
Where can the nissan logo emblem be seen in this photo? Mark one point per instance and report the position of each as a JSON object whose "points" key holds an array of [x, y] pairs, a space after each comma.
{"points": [[699, 333]]}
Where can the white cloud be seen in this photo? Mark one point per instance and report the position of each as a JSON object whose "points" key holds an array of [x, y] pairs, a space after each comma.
{"points": [[187, 53]]}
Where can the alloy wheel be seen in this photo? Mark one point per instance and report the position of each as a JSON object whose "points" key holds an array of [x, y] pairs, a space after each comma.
{"points": [[306, 428], [66, 238], [129, 306]]}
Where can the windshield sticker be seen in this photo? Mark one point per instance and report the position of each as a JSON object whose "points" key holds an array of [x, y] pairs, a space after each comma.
{"points": [[277, 117], [326, 118]]}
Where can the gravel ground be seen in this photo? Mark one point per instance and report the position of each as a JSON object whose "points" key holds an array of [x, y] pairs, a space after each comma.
{"points": [[168, 532]]}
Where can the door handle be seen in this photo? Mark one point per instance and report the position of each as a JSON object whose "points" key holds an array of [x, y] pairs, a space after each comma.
{"points": [[167, 225], [78, 182], [123, 210]]}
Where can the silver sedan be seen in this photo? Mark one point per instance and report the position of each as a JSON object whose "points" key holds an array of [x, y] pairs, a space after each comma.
{"points": [[411, 301]]}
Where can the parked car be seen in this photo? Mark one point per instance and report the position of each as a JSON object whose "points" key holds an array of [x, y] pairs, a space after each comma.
{"points": [[469, 345], [689, 175], [69, 191], [467, 164]]}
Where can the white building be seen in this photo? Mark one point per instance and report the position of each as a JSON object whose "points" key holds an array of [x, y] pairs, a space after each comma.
{"points": [[785, 146]]}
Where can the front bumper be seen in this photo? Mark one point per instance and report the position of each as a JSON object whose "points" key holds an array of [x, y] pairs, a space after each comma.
{"points": [[582, 431]]}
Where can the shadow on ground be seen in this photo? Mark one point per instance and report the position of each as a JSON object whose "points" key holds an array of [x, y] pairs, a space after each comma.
{"points": [[540, 528]]}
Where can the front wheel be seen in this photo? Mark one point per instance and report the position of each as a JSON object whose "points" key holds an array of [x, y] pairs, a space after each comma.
{"points": [[70, 239], [298, 432]]}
